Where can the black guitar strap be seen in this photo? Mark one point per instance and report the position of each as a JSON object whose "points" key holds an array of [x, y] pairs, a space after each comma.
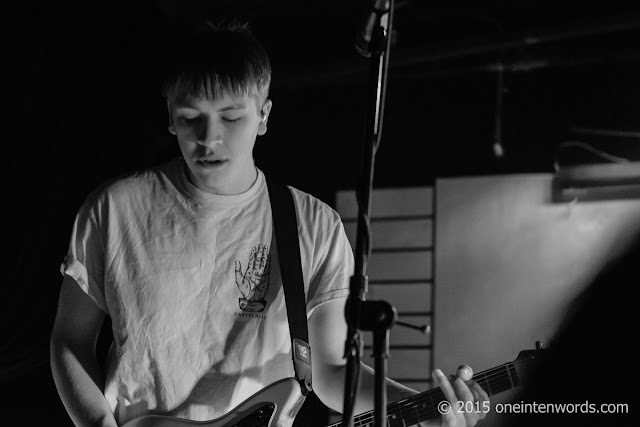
{"points": [[285, 226]]}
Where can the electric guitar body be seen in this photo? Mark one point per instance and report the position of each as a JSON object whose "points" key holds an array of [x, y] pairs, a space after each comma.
{"points": [[274, 406]]}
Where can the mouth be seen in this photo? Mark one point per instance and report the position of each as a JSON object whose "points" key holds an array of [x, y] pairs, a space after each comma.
{"points": [[211, 163]]}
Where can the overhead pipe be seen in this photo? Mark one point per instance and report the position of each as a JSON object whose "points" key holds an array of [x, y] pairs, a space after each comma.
{"points": [[349, 69]]}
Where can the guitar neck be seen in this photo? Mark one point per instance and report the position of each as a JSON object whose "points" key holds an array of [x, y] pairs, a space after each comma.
{"points": [[424, 406]]}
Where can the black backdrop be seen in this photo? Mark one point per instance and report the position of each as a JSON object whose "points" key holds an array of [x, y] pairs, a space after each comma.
{"points": [[82, 105]]}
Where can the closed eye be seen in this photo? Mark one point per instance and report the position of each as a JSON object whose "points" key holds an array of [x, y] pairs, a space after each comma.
{"points": [[231, 119], [189, 120]]}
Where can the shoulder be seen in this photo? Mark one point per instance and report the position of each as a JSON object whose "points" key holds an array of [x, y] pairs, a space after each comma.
{"points": [[313, 210], [131, 188]]}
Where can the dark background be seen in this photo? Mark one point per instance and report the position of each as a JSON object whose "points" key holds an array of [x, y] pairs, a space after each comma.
{"points": [[81, 105]]}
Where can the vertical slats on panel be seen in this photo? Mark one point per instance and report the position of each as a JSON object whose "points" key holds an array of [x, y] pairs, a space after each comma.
{"points": [[414, 298], [400, 272], [389, 203], [399, 233], [401, 266]]}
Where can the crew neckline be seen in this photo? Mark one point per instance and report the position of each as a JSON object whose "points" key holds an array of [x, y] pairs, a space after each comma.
{"points": [[210, 200]]}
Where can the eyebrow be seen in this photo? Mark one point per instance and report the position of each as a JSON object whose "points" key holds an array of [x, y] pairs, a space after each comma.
{"points": [[240, 106], [187, 104]]}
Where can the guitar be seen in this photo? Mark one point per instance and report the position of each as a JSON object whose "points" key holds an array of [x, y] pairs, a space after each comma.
{"points": [[277, 404]]}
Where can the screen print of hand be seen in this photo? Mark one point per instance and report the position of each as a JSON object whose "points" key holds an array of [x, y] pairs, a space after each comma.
{"points": [[254, 281]]}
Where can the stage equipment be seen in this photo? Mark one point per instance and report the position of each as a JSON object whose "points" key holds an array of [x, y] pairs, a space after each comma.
{"points": [[618, 178], [374, 42], [600, 181]]}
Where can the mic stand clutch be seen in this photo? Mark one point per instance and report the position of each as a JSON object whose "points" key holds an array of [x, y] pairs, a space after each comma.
{"points": [[375, 316]]}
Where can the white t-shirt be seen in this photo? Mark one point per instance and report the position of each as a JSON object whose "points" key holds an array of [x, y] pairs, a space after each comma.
{"points": [[191, 281]]}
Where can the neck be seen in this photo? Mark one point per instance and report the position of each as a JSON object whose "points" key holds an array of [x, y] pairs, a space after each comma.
{"points": [[230, 186]]}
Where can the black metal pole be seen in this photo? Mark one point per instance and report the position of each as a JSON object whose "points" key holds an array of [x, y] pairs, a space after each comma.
{"points": [[360, 314]]}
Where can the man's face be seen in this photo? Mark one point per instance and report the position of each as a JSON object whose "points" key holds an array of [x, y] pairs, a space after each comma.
{"points": [[216, 139]]}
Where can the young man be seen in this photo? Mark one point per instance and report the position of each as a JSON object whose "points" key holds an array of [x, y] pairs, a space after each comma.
{"points": [[181, 258]]}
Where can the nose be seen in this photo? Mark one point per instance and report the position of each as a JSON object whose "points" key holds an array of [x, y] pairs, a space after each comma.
{"points": [[209, 132]]}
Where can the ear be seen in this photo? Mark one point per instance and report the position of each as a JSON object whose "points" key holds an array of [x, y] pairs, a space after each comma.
{"points": [[171, 127], [264, 112]]}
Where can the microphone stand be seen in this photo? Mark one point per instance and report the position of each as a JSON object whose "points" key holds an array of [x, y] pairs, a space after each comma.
{"points": [[375, 316]]}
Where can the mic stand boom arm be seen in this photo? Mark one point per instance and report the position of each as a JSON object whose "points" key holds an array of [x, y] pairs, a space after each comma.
{"points": [[375, 316]]}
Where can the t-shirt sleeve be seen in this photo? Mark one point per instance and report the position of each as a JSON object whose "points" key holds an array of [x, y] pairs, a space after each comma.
{"points": [[335, 267], [84, 261]]}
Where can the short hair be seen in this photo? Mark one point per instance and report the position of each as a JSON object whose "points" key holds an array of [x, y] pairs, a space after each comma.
{"points": [[217, 59]]}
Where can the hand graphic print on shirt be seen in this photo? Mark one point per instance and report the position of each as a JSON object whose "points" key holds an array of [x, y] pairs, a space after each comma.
{"points": [[254, 282]]}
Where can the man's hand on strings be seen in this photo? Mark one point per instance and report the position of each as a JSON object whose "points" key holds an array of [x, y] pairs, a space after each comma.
{"points": [[467, 402]]}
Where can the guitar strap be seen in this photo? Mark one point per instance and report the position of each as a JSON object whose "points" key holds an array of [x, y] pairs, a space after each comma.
{"points": [[285, 226]]}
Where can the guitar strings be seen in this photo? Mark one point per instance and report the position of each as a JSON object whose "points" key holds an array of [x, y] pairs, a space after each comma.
{"points": [[424, 404], [414, 412], [501, 379]]}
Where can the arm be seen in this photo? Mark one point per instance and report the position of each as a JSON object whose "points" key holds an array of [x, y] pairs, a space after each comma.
{"points": [[74, 365], [327, 333]]}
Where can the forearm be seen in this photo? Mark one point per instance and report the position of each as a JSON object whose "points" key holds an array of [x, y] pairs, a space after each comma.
{"points": [[79, 381], [329, 386], [326, 330]]}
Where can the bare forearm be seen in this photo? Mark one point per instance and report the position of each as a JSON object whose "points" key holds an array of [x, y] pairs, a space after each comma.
{"points": [[329, 386], [79, 381]]}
